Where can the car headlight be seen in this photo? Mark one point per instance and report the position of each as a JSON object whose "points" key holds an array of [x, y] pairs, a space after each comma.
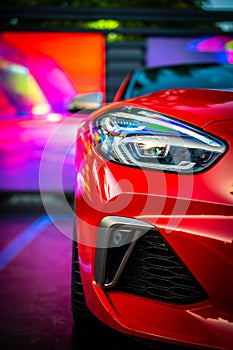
{"points": [[146, 139]]}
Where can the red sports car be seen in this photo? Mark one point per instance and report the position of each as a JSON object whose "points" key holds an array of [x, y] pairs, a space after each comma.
{"points": [[153, 238]]}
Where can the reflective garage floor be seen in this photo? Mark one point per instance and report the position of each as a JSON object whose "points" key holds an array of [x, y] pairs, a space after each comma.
{"points": [[35, 278]]}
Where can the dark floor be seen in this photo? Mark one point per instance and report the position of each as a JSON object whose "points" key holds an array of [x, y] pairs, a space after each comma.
{"points": [[35, 277]]}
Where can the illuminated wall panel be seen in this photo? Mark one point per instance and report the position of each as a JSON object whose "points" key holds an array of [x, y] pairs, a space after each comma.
{"points": [[80, 55], [176, 50]]}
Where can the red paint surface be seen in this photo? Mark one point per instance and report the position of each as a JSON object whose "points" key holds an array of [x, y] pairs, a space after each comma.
{"points": [[194, 214]]}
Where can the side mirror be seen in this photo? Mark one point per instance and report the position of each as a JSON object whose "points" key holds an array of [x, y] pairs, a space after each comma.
{"points": [[86, 101]]}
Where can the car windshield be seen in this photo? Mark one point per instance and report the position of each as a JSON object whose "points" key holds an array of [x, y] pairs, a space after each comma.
{"points": [[212, 76]]}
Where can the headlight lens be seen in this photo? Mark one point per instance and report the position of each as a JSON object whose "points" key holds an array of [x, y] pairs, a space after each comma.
{"points": [[146, 139]]}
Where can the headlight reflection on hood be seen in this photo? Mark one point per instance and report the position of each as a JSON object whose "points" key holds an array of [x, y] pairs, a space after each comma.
{"points": [[146, 139]]}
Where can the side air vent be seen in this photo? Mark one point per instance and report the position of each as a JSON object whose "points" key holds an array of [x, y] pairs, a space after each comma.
{"points": [[154, 271], [133, 257]]}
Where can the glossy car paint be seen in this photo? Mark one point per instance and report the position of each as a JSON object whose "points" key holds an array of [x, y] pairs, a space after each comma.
{"points": [[193, 213]]}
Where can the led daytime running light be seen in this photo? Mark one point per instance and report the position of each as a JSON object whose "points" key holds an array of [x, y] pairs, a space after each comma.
{"points": [[147, 139]]}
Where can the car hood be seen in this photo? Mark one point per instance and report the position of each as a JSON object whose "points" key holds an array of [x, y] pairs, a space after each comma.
{"points": [[208, 105]]}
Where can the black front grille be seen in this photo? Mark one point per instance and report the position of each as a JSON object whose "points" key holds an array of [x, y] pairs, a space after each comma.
{"points": [[154, 271]]}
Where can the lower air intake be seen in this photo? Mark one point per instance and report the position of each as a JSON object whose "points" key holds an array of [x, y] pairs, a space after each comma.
{"points": [[154, 271]]}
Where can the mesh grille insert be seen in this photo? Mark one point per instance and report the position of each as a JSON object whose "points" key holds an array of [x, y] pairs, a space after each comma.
{"points": [[154, 271]]}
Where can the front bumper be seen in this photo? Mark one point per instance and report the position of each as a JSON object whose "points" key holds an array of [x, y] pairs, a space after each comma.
{"points": [[194, 221]]}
